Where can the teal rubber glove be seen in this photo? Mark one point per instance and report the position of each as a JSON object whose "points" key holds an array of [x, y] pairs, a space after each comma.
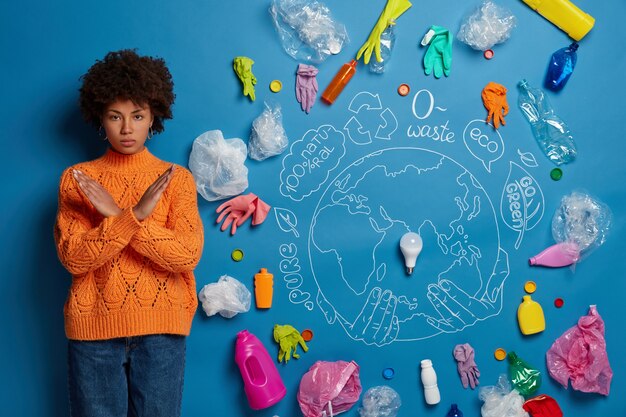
{"points": [[243, 68], [288, 339], [391, 12], [438, 57]]}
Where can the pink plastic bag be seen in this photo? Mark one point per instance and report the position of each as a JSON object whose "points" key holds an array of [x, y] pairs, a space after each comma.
{"points": [[329, 388], [580, 355]]}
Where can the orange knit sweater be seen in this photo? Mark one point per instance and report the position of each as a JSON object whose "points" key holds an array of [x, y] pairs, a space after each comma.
{"points": [[129, 278]]}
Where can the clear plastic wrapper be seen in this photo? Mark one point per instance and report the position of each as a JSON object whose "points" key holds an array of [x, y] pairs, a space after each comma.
{"points": [[387, 40], [218, 166], [329, 388], [487, 26], [552, 134], [227, 296], [380, 401], [579, 355], [501, 401], [268, 136], [582, 220], [307, 30]]}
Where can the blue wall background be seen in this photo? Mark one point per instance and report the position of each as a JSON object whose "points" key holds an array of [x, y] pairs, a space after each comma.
{"points": [[46, 46]]}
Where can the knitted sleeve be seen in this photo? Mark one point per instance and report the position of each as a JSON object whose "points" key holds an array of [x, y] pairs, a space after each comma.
{"points": [[83, 244], [176, 246]]}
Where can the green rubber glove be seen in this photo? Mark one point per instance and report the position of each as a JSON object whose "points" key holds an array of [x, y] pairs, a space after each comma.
{"points": [[392, 11], [243, 68], [288, 339], [438, 57]]}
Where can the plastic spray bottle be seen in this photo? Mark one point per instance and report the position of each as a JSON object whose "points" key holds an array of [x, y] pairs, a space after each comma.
{"points": [[339, 82], [261, 380], [429, 380]]}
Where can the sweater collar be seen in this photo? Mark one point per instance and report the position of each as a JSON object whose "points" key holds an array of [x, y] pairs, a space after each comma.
{"points": [[135, 162]]}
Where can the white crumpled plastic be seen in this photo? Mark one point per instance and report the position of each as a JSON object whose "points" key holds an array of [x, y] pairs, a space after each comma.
{"points": [[380, 401], [227, 296], [218, 166], [268, 137], [582, 220], [307, 30], [501, 401], [490, 24]]}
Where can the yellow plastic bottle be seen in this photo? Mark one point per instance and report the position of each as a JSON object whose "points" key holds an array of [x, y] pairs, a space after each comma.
{"points": [[530, 316], [565, 15]]}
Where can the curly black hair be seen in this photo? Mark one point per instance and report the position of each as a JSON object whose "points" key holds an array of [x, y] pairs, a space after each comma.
{"points": [[125, 75]]}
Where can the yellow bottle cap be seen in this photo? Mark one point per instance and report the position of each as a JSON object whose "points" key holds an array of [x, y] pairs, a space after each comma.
{"points": [[276, 86], [530, 287], [500, 354], [236, 255]]}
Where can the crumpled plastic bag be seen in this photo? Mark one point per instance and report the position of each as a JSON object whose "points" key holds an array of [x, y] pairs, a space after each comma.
{"points": [[227, 296], [580, 355], [268, 137], [583, 220], [501, 401], [490, 24], [218, 166], [307, 30], [380, 401], [329, 388]]}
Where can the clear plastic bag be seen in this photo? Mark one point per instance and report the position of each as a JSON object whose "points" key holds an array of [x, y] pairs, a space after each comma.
{"points": [[227, 296], [501, 401], [582, 220], [380, 401], [268, 136], [307, 30], [487, 26], [329, 388], [218, 166]]}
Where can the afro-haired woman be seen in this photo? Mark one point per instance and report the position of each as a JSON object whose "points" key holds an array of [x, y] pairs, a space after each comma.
{"points": [[129, 232]]}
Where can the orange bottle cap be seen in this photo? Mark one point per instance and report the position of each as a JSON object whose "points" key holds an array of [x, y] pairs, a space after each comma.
{"points": [[500, 354], [307, 335]]}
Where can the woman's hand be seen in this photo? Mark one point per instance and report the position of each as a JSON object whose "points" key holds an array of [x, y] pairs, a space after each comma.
{"points": [[151, 197], [99, 197]]}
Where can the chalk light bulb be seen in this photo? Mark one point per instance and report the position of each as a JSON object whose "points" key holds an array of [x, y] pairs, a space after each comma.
{"points": [[411, 246]]}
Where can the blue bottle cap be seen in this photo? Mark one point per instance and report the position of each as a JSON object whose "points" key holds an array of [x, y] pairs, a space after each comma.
{"points": [[388, 373]]}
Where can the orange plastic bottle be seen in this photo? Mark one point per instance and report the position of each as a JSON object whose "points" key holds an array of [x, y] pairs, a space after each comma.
{"points": [[339, 82], [263, 288]]}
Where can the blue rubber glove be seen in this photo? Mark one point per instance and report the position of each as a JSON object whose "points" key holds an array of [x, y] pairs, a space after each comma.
{"points": [[438, 57]]}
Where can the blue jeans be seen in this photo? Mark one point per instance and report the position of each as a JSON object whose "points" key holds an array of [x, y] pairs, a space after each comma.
{"points": [[138, 376]]}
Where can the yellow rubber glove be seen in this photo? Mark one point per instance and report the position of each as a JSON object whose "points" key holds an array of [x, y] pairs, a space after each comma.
{"points": [[392, 11], [494, 99], [288, 339], [243, 68]]}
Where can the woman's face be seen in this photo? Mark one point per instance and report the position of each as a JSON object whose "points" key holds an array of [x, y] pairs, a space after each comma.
{"points": [[127, 125]]}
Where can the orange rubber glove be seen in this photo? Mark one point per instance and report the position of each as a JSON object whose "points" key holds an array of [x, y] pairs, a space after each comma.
{"points": [[494, 99]]}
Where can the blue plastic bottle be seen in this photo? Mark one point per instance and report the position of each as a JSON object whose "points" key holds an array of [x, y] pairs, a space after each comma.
{"points": [[454, 412], [551, 133], [387, 40], [561, 67]]}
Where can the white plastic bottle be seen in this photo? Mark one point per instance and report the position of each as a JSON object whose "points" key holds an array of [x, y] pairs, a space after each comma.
{"points": [[429, 380]]}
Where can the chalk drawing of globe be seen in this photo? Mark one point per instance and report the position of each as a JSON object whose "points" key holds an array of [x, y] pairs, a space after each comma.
{"points": [[361, 216]]}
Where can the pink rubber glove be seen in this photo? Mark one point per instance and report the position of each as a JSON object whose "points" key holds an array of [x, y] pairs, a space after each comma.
{"points": [[261, 209], [580, 355], [306, 86], [468, 371], [236, 210]]}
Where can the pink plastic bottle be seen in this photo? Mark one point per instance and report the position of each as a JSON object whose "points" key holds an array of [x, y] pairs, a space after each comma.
{"points": [[561, 254], [261, 380]]}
